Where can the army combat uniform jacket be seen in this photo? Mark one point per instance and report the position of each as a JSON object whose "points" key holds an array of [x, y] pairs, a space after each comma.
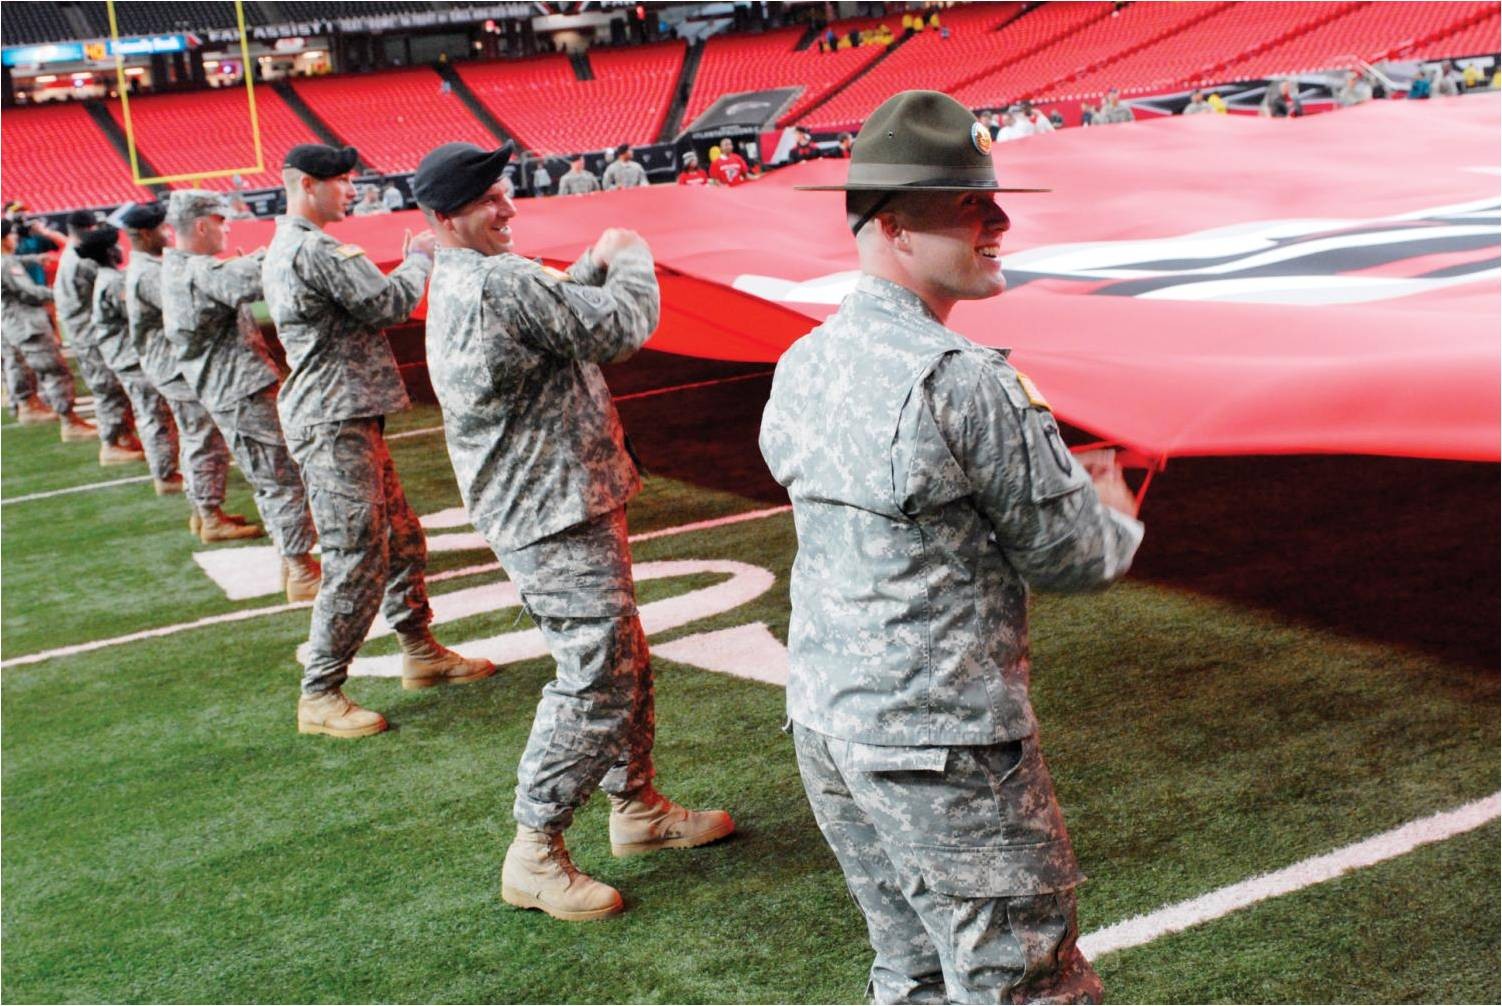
{"points": [[624, 175], [73, 292], [923, 514], [578, 183], [154, 423], [514, 351], [220, 351], [25, 302], [143, 311]]}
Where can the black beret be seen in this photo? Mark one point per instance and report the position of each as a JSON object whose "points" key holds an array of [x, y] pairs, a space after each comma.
{"points": [[144, 216], [320, 161], [455, 174], [82, 219], [98, 244], [622, 149]]}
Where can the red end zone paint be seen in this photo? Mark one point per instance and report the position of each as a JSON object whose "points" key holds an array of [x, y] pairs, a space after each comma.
{"points": [[1213, 285]]}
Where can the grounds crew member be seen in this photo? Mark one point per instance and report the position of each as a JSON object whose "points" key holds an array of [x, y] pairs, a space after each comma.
{"points": [[203, 456], [73, 293], [924, 516], [513, 351], [329, 303], [578, 180], [109, 319], [27, 330], [206, 316], [624, 172]]}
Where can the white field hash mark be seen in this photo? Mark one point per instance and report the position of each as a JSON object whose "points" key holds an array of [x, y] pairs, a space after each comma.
{"points": [[1141, 929]]}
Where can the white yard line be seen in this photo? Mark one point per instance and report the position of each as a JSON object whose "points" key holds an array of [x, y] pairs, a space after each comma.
{"points": [[73, 489], [276, 609], [1134, 932]]}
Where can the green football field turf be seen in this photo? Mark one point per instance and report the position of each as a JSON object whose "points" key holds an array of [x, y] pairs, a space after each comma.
{"points": [[1304, 656]]}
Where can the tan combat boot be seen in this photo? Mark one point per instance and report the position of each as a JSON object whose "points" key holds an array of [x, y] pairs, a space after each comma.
{"points": [[427, 662], [215, 525], [333, 713], [195, 520], [172, 485], [647, 821], [75, 430], [301, 577], [118, 454], [538, 873], [33, 413]]}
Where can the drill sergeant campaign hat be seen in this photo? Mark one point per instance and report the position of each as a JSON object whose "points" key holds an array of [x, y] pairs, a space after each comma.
{"points": [[456, 174], [921, 141], [187, 205], [144, 216], [321, 161]]}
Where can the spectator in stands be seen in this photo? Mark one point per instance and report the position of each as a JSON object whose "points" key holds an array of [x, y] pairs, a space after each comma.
{"points": [[1446, 83], [1087, 114], [1197, 105], [804, 148], [1112, 110], [988, 119], [33, 237], [370, 204], [624, 172], [1354, 91], [1472, 76], [729, 168], [1420, 89], [578, 181], [1282, 101], [1010, 129], [1035, 121], [692, 174], [842, 146], [391, 197], [542, 180]]}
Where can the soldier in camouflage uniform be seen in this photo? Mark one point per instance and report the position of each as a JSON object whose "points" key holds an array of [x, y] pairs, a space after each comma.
{"points": [[924, 516], [513, 351], [73, 293], [329, 303], [203, 455], [111, 324], [27, 333], [206, 317]]}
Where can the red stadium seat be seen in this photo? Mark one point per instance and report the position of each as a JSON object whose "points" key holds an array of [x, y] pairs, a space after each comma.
{"points": [[171, 130], [55, 157], [393, 117], [548, 109]]}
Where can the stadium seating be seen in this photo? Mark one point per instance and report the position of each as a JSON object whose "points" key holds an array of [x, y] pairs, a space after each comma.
{"points": [[1099, 41], [393, 117], [735, 63], [1476, 38], [929, 61], [1367, 31], [33, 23], [315, 10], [171, 15], [548, 109], [170, 131], [55, 157]]}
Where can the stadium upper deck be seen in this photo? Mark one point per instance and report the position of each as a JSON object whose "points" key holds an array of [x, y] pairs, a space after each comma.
{"points": [[987, 54]]}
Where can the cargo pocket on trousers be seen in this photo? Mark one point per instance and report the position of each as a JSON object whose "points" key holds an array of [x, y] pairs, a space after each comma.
{"points": [[344, 523], [998, 871], [607, 602]]}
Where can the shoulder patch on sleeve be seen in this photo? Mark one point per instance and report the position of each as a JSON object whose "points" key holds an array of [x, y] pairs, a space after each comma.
{"points": [[349, 251]]}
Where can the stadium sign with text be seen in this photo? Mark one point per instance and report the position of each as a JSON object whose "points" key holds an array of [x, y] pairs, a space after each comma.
{"points": [[96, 52]]}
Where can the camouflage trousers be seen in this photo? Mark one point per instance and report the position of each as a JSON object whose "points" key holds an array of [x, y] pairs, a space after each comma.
{"points": [[373, 549], [202, 455], [111, 406], [255, 441], [595, 724], [154, 422], [960, 863], [41, 355], [20, 382]]}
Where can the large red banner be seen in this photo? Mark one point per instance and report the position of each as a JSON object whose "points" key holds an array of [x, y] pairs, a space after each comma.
{"points": [[1210, 285]]}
